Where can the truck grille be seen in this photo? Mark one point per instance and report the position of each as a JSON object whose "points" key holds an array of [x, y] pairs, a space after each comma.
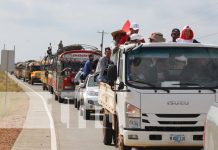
{"points": [[177, 122], [172, 122], [178, 115], [175, 129]]}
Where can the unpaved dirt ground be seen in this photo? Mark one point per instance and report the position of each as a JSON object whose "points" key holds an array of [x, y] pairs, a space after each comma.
{"points": [[13, 113]]}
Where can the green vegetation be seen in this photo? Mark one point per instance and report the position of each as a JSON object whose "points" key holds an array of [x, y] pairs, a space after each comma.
{"points": [[11, 85]]}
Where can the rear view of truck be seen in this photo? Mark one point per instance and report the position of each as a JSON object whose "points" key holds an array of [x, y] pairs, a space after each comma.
{"points": [[160, 96]]}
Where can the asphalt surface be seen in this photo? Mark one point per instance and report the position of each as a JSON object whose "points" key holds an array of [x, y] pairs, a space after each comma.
{"points": [[72, 132]]}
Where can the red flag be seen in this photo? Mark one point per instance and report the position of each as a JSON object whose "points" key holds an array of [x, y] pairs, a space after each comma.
{"points": [[126, 26]]}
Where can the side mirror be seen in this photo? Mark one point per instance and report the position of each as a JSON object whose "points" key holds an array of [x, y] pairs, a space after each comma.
{"points": [[112, 73], [121, 86], [82, 85], [96, 77]]}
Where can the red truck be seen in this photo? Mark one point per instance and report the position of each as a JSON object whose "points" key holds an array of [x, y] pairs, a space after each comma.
{"points": [[66, 64]]}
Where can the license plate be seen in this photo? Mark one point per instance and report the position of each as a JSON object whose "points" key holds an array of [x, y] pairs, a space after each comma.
{"points": [[178, 138]]}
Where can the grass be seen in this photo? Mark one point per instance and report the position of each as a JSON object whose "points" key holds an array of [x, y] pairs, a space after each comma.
{"points": [[13, 99], [11, 85]]}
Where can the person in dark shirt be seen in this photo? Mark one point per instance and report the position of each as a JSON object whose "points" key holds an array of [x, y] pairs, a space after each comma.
{"points": [[88, 66]]}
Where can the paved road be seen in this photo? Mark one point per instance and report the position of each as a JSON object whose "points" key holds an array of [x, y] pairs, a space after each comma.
{"points": [[72, 132]]}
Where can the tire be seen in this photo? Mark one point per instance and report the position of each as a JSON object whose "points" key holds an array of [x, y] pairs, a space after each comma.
{"points": [[86, 115], [75, 103], [121, 145], [60, 100], [78, 105], [107, 130], [43, 87], [116, 131], [56, 97]]}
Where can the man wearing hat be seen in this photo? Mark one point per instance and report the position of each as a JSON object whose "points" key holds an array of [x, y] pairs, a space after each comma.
{"points": [[156, 37], [134, 29], [117, 35]]}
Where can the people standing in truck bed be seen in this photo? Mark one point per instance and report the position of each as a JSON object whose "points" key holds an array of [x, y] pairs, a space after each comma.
{"points": [[187, 36], [103, 64], [175, 34], [156, 37]]}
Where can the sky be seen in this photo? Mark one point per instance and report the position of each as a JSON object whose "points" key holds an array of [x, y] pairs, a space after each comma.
{"points": [[30, 25]]}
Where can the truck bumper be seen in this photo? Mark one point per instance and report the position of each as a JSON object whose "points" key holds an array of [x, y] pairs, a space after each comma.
{"points": [[67, 94], [36, 80], [165, 139]]}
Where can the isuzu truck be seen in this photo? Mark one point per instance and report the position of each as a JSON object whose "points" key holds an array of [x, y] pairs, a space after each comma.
{"points": [[158, 94]]}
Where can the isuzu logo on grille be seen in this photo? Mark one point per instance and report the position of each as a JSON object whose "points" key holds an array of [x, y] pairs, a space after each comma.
{"points": [[177, 103]]}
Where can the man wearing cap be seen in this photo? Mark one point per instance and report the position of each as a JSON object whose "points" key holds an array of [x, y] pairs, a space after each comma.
{"points": [[187, 36], [175, 34], [134, 29]]}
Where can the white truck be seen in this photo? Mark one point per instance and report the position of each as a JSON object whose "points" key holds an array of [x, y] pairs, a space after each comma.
{"points": [[158, 95]]}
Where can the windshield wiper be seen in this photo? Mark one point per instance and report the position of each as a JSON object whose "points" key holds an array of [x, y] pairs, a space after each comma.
{"points": [[153, 86], [196, 84]]}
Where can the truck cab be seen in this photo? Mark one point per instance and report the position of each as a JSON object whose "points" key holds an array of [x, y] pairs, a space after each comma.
{"points": [[159, 94]]}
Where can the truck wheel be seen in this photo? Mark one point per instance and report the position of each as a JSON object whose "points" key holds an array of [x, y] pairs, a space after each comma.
{"points": [[75, 103], [52, 91], [116, 131], [107, 130], [56, 97], [60, 100], [121, 145], [86, 115], [78, 105], [43, 87]]}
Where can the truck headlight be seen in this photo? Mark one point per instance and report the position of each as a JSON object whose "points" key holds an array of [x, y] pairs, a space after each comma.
{"points": [[92, 93], [133, 116]]}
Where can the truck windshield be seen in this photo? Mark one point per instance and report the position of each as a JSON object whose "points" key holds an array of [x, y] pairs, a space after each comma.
{"points": [[92, 82], [75, 66], [172, 67], [36, 68]]}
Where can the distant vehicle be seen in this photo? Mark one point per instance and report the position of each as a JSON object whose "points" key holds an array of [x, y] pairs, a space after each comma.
{"points": [[18, 69], [158, 94], [89, 97], [45, 67], [34, 72], [26, 70], [211, 129], [66, 64]]}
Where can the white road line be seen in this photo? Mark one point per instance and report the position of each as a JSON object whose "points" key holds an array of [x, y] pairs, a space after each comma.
{"points": [[51, 121]]}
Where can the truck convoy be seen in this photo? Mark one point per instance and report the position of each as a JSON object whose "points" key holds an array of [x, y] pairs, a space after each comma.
{"points": [[158, 94], [66, 64]]}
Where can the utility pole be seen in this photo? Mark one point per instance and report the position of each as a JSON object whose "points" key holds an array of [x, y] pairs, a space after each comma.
{"points": [[102, 40]]}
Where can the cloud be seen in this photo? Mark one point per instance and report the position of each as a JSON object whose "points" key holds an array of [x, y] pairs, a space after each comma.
{"points": [[32, 24]]}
